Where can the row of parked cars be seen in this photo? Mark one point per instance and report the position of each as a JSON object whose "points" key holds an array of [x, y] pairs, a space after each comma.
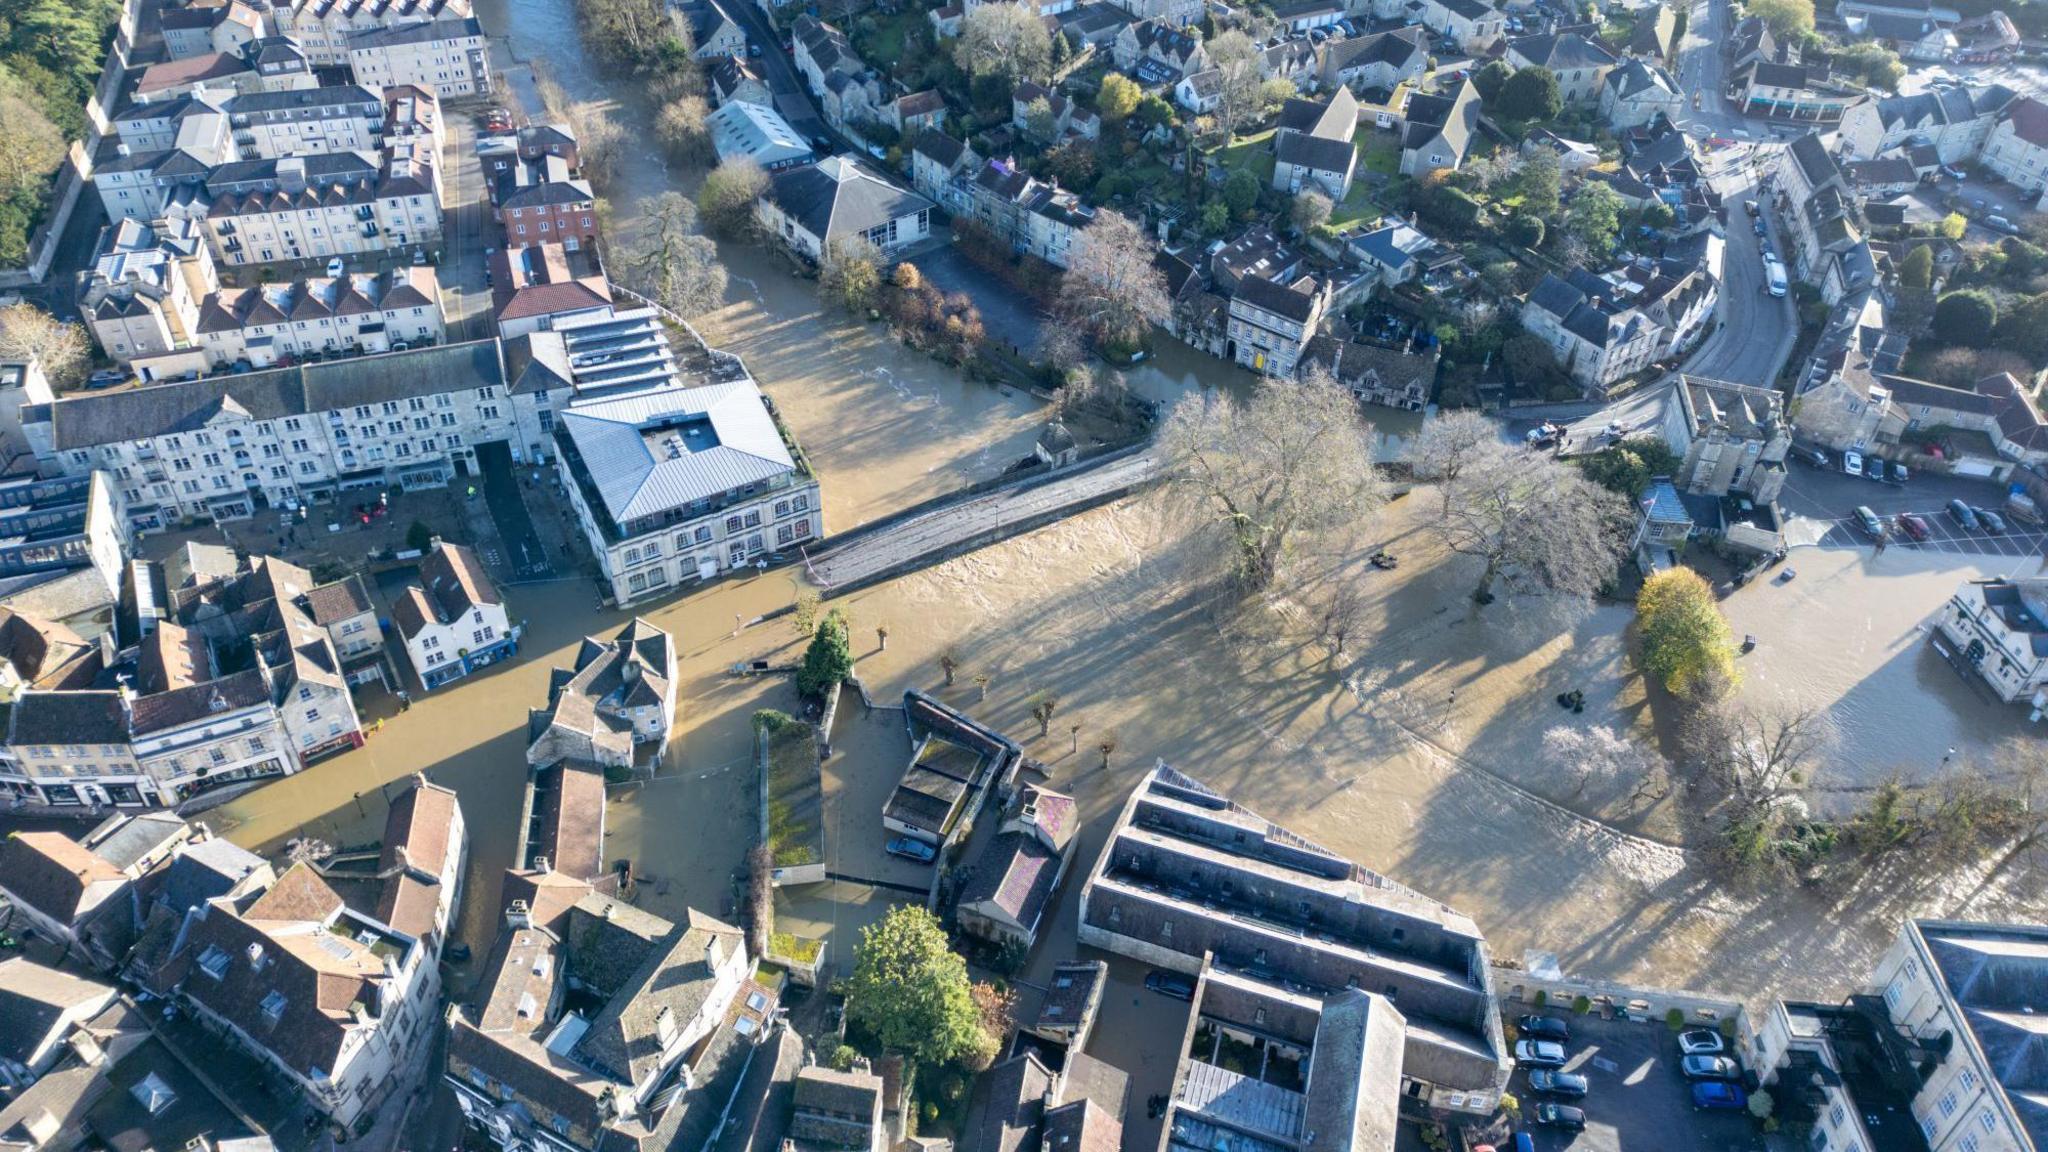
{"points": [[1704, 1060], [1968, 517], [1541, 1049]]}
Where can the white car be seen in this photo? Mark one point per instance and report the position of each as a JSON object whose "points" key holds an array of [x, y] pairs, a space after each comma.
{"points": [[1700, 1042], [1852, 463], [335, 267]]}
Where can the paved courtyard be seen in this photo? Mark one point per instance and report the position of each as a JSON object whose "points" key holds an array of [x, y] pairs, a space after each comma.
{"points": [[1636, 1097]]}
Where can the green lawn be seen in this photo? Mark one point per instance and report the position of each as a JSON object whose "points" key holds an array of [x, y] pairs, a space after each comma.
{"points": [[1378, 151], [1357, 208], [884, 47], [1254, 152]]}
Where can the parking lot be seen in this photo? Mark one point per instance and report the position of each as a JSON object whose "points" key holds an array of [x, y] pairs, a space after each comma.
{"points": [[1635, 1096], [1827, 499]]}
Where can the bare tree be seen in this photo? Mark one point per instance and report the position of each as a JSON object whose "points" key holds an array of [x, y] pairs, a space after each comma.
{"points": [[1535, 522], [1235, 57], [1339, 612], [1107, 745], [683, 126], [600, 144], [949, 664], [1449, 444], [671, 262], [1112, 289], [29, 333], [1042, 711], [625, 31], [1754, 762], [851, 272], [730, 194], [1008, 40], [1295, 459], [1601, 753]]}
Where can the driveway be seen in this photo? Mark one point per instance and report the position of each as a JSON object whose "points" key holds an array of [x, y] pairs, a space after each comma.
{"points": [[1636, 1097]]}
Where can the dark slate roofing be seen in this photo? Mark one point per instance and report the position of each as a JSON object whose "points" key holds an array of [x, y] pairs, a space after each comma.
{"points": [[1316, 152], [1397, 48], [940, 148], [1278, 299], [1814, 162], [1561, 51], [90, 419], [839, 196], [1769, 75], [1469, 9], [424, 32], [1555, 296], [68, 718]]}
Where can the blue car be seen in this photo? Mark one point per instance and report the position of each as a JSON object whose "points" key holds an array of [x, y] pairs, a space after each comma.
{"points": [[911, 849], [1719, 1095]]}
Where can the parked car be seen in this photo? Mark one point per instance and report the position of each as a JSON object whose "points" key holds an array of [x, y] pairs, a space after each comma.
{"points": [[1762, 229], [1524, 1142], [1710, 1068], [335, 267], [1551, 1082], [107, 378], [1817, 457], [1706, 1041], [1872, 526], [1852, 463], [1561, 1116], [1751, 207], [911, 848], [1914, 526], [1962, 515], [1719, 1095], [1992, 521], [1178, 985], [1899, 473], [2001, 224], [1539, 1053], [1954, 173], [1544, 1028]]}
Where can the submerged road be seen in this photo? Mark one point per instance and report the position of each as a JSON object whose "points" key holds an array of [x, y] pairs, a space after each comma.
{"points": [[975, 521]]}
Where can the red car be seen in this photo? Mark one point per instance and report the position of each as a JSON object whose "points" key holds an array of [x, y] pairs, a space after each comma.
{"points": [[1913, 526]]}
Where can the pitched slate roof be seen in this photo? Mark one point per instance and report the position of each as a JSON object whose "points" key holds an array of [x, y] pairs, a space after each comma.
{"points": [[1814, 162], [1014, 875], [89, 419], [1279, 299], [1561, 51], [1316, 153], [2029, 120], [33, 998], [840, 196], [678, 979], [939, 148], [77, 717]]}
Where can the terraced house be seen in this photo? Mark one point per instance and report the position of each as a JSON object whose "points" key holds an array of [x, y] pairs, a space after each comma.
{"points": [[218, 447]]}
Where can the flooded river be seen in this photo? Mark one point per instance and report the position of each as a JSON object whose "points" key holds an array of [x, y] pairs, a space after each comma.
{"points": [[1420, 756]]}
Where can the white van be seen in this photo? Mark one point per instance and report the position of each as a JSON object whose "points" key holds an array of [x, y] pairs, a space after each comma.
{"points": [[1774, 272]]}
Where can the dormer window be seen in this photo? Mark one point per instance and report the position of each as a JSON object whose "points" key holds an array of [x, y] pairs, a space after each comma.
{"points": [[273, 1006], [214, 962]]}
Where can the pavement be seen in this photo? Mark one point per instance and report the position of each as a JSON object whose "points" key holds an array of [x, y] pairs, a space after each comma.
{"points": [[1636, 1097]]}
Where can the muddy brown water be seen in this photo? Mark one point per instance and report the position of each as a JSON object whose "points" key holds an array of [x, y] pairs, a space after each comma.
{"points": [[1421, 759]]}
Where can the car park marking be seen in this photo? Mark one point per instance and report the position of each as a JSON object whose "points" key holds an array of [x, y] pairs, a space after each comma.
{"points": [[1943, 536]]}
